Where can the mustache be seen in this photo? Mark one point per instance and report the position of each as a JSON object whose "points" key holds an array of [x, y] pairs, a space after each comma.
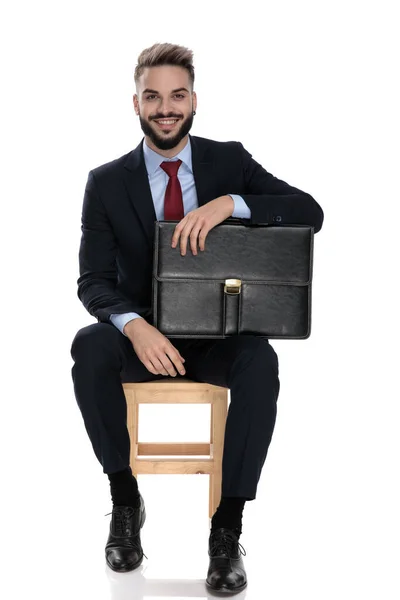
{"points": [[166, 117]]}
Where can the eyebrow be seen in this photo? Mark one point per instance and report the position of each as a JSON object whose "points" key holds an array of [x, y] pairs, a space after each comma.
{"points": [[148, 90]]}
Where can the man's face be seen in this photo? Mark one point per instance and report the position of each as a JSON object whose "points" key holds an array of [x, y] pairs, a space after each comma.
{"points": [[164, 93]]}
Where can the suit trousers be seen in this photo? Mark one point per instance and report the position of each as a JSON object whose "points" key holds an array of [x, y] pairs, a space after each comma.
{"points": [[247, 365]]}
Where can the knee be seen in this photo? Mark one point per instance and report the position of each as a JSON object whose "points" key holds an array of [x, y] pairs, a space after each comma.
{"points": [[267, 354], [94, 342], [258, 352]]}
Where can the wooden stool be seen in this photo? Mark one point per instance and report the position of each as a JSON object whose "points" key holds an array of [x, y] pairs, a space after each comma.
{"points": [[179, 391]]}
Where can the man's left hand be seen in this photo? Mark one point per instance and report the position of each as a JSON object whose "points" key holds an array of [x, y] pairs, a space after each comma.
{"points": [[197, 223]]}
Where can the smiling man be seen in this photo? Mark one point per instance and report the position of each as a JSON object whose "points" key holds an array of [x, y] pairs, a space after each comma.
{"points": [[172, 175], [166, 117]]}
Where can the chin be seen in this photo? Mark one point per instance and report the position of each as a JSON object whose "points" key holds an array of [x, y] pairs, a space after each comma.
{"points": [[167, 143]]}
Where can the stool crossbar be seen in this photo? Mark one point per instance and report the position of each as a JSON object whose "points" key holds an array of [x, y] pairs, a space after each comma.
{"points": [[179, 391]]}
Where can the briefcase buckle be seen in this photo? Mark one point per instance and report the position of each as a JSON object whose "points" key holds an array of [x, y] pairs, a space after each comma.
{"points": [[232, 286]]}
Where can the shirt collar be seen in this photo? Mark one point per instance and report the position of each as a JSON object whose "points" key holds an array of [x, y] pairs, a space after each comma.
{"points": [[153, 160]]}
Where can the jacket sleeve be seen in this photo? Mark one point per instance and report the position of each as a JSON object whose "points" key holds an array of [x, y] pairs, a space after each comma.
{"points": [[97, 260], [273, 201]]}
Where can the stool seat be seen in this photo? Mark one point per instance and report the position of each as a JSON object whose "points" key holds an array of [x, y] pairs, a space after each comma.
{"points": [[179, 391]]}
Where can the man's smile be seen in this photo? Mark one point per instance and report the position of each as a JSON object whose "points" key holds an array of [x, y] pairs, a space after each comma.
{"points": [[166, 123]]}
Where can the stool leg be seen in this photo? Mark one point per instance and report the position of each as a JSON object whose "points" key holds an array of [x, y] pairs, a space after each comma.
{"points": [[133, 427], [218, 422], [211, 483]]}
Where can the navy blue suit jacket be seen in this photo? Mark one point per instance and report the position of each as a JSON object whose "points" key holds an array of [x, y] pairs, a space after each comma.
{"points": [[118, 219]]}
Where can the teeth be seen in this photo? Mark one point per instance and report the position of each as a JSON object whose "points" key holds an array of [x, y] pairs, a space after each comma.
{"points": [[168, 122]]}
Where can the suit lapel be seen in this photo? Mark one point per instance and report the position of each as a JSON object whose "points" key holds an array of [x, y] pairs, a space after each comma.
{"points": [[203, 166], [138, 187]]}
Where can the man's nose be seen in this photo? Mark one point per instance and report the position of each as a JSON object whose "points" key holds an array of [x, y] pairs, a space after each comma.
{"points": [[165, 107]]}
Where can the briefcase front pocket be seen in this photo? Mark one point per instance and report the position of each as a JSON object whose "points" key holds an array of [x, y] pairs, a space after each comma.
{"points": [[217, 309]]}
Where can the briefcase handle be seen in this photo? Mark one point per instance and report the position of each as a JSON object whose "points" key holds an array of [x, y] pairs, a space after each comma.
{"points": [[242, 221]]}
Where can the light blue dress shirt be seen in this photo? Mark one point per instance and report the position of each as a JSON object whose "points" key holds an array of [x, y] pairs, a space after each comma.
{"points": [[158, 180]]}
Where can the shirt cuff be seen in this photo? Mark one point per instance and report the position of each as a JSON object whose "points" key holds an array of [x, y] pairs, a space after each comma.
{"points": [[241, 210], [120, 320]]}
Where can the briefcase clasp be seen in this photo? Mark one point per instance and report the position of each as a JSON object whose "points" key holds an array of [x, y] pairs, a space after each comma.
{"points": [[232, 286]]}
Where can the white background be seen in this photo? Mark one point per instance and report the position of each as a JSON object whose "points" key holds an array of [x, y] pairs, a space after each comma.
{"points": [[310, 89]]}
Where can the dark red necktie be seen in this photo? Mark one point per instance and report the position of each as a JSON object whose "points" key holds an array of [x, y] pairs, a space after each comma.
{"points": [[173, 202]]}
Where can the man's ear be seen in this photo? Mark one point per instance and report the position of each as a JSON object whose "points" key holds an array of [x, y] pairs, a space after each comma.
{"points": [[135, 103]]}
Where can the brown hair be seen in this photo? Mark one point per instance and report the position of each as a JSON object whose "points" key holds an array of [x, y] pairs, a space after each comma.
{"points": [[165, 54]]}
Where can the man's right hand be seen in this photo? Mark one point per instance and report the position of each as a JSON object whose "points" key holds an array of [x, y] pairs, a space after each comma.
{"points": [[155, 350]]}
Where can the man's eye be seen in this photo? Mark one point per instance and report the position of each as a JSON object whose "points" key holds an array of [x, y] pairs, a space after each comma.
{"points": [[153, 96]]}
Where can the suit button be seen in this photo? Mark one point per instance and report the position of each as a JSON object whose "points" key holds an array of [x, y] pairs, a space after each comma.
{"points": [[278, 218]]}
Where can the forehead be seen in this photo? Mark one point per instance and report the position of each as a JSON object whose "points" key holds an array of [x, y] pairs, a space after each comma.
{"points": [[164, 79]]}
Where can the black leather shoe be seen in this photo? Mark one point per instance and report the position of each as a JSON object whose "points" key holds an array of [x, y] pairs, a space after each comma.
{"points": [[226, 572], [123, 549]]}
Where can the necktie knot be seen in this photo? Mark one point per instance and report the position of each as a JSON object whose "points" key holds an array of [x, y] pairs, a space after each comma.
{"points": [[171, 167]]}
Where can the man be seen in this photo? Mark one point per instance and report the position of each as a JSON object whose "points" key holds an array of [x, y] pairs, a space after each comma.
{"points": [[200, 182]]}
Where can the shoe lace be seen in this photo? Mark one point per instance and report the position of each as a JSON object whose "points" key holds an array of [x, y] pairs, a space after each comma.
{"points": [[122, 516], [225, 542]]}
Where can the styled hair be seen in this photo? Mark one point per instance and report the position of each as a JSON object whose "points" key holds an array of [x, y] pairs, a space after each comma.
{"points": [[165, 54]]}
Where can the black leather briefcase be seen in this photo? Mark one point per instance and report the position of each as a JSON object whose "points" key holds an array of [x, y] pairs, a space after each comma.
{"points": [[250, 279]]}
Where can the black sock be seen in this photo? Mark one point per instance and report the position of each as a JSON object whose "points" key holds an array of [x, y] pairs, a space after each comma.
{"points": [[124, 488], [229, 514]]}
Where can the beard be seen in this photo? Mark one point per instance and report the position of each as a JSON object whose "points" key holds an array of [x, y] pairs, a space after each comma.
{"points": [[166, 140]]}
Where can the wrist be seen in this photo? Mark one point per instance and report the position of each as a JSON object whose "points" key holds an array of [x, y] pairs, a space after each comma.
{"points": [[130, 325], [230, 203]]}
